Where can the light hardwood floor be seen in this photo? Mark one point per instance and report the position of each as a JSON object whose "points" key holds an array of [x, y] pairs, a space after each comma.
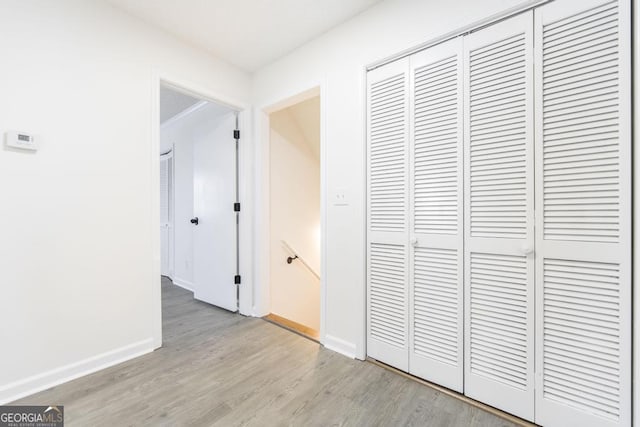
{"points": [[223, 369]]}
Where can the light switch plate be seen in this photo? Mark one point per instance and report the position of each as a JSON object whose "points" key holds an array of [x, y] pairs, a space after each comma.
{"points": [[341, 197]]}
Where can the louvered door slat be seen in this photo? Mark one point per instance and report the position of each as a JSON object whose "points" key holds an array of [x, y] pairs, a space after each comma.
{"points": [[164, 191], [590, 32], [387, 127], [387, 222], [165, 213], [436, 332], [582, 193], [499, 216]]}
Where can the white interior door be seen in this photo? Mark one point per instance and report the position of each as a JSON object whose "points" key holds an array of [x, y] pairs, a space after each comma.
{"points": [[436, 274], [499, 224], [214, 236], [165, 215], [583, 221], [387, 216]]}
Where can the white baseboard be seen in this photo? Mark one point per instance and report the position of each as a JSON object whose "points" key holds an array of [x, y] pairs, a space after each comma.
{"points": [[28, 386], [184, 284], [339, 345]]}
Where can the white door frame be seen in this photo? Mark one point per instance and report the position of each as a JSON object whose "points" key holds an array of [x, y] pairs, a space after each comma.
{"points": [[262, 219], [189, 87], [635, 212]]}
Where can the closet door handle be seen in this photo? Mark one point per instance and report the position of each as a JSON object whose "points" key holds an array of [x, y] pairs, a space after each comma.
{"points": [[526, 248], [194, 221], [414, 241]]}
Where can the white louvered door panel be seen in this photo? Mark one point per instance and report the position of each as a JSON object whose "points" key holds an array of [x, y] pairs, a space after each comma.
{"points": [[583, 226], [499, 269], [387, 214], [165, 215], [436, 285], [164, 191]]}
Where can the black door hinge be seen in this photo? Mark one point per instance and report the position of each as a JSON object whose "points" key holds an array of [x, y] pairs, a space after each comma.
{"points": [[236, 207], [236, 134], [237, 279]]}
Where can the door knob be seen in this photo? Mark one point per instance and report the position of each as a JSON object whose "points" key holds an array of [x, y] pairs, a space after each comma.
{"points": [[194, 220], [414, 242]]}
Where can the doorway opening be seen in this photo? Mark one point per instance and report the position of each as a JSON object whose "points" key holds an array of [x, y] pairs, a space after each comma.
{"points": [[198, 197], [295, 217]]}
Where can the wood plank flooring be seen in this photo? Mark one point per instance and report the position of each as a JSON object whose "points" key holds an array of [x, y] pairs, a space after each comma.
{"points": [[222, 369]]}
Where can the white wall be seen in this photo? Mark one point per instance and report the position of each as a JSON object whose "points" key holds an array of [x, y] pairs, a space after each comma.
{"points": [[295, 215], [76, 251], [337, 61]]}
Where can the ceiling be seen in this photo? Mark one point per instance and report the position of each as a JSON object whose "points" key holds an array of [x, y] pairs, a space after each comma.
{"points": [[247, 33], [299, 124], [307, 116], [173, 102]]}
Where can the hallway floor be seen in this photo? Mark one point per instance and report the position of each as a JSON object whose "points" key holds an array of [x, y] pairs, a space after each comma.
{"points": [[220, 368]]}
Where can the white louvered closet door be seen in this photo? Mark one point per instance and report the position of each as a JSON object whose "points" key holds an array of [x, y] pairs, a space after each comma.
{"points": [[165, 177], [583, 224], [499, 195], [436, 267], [387, 214], [165, 215]]}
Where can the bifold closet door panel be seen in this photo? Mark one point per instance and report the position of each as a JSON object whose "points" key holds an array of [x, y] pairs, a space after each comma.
{"points": [[499, 221], [436, 252], [387, 214], [583, 229]]}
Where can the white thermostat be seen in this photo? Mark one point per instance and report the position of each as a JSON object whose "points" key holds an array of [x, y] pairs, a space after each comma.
{"points": [[21, 140]]}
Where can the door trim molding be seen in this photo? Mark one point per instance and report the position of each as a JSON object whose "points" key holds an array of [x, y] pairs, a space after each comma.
{"points": [[635, 215], [187, 86], [262, 195]]}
